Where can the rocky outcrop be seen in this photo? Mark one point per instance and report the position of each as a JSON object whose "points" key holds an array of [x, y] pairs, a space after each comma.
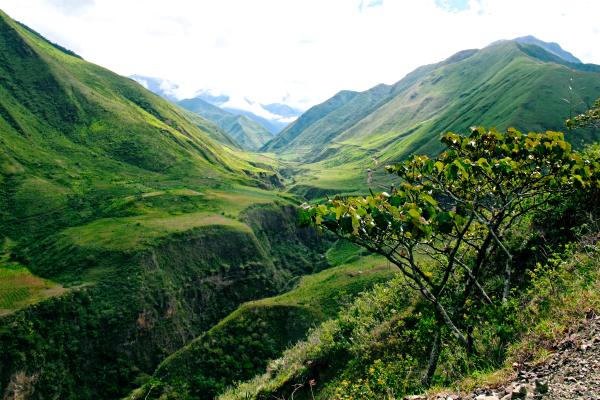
{"points": [[572, 372]]}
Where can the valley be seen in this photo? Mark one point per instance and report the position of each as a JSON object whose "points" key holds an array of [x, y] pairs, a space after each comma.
{"points": [[152, 247]]}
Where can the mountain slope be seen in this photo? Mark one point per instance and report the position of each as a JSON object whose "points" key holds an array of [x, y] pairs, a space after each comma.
{"points": [[249, 134], [505, 84], [213, 361], [120, 237], [322, 123]]}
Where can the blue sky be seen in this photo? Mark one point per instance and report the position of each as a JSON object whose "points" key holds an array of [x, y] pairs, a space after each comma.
{"points": [[453, 5], [297, 51]]}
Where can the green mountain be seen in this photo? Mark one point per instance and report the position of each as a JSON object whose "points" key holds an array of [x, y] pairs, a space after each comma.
{"points": [[249, 134], [240, 345], [142, 250], [127, 227], [505, 84]]}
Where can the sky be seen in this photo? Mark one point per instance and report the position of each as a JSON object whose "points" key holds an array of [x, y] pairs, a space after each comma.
{"points": [[299, 52]]}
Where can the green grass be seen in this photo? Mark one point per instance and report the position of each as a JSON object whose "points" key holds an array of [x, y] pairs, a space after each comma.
{"points": [[90, 158], [322, 294], [19, 288], [78, 138], [341, 251], [162, 213], [132, 202], [137, 232]]}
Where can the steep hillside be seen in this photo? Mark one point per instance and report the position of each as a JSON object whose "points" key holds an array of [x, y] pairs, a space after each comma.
{"points": [[80, 142], [249, 134], [121, 236], [381, 346], [242, 343], [505, 84]]}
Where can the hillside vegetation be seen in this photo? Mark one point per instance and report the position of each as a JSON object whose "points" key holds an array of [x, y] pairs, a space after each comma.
{"points": [[123, 225], [240, 346], [146, 254], [469, 267], [507, 84]]}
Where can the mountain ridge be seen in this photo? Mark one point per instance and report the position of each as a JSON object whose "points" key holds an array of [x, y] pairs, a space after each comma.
{"points": [[504, 84], [249, 134], [550, 47], [273, 117], [120, 237]]}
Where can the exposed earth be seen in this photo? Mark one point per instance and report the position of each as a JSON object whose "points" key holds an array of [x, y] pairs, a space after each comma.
{"points": [[572, 372]]}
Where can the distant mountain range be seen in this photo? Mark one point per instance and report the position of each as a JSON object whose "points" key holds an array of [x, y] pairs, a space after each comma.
{"points": [[249, 131], [274, 117], [525, 83]]}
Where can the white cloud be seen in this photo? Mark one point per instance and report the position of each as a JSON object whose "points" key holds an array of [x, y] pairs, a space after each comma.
{"points": [[143, 82], [243, 103], [287, 120], [306, 50], [71, 6]]}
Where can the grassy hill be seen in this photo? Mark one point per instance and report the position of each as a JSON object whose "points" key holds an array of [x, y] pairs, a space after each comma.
{"points": [[505, 84], [249, 134], [241, 344], [82, 144], [124, 224]]}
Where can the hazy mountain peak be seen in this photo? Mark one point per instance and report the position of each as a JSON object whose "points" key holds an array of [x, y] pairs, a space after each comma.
{"points": [[246, 132], [550, 47], [216, 99], [283, 110]]}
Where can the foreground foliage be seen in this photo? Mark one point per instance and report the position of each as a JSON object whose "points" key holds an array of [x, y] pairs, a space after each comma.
{"points": [[379, 347], [459, 210]]}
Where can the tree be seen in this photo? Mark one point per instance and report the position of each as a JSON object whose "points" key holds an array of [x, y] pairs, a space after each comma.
{"points": [[589, 119], [449, 214]]}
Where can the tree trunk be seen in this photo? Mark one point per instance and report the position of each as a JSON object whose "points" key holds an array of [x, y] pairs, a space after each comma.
{"points": [[507, 277], [445, 317], [470, 341], [434, 357]]}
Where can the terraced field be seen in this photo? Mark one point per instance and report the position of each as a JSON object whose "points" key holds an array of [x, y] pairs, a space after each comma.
{"points": [[19, 288]]}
